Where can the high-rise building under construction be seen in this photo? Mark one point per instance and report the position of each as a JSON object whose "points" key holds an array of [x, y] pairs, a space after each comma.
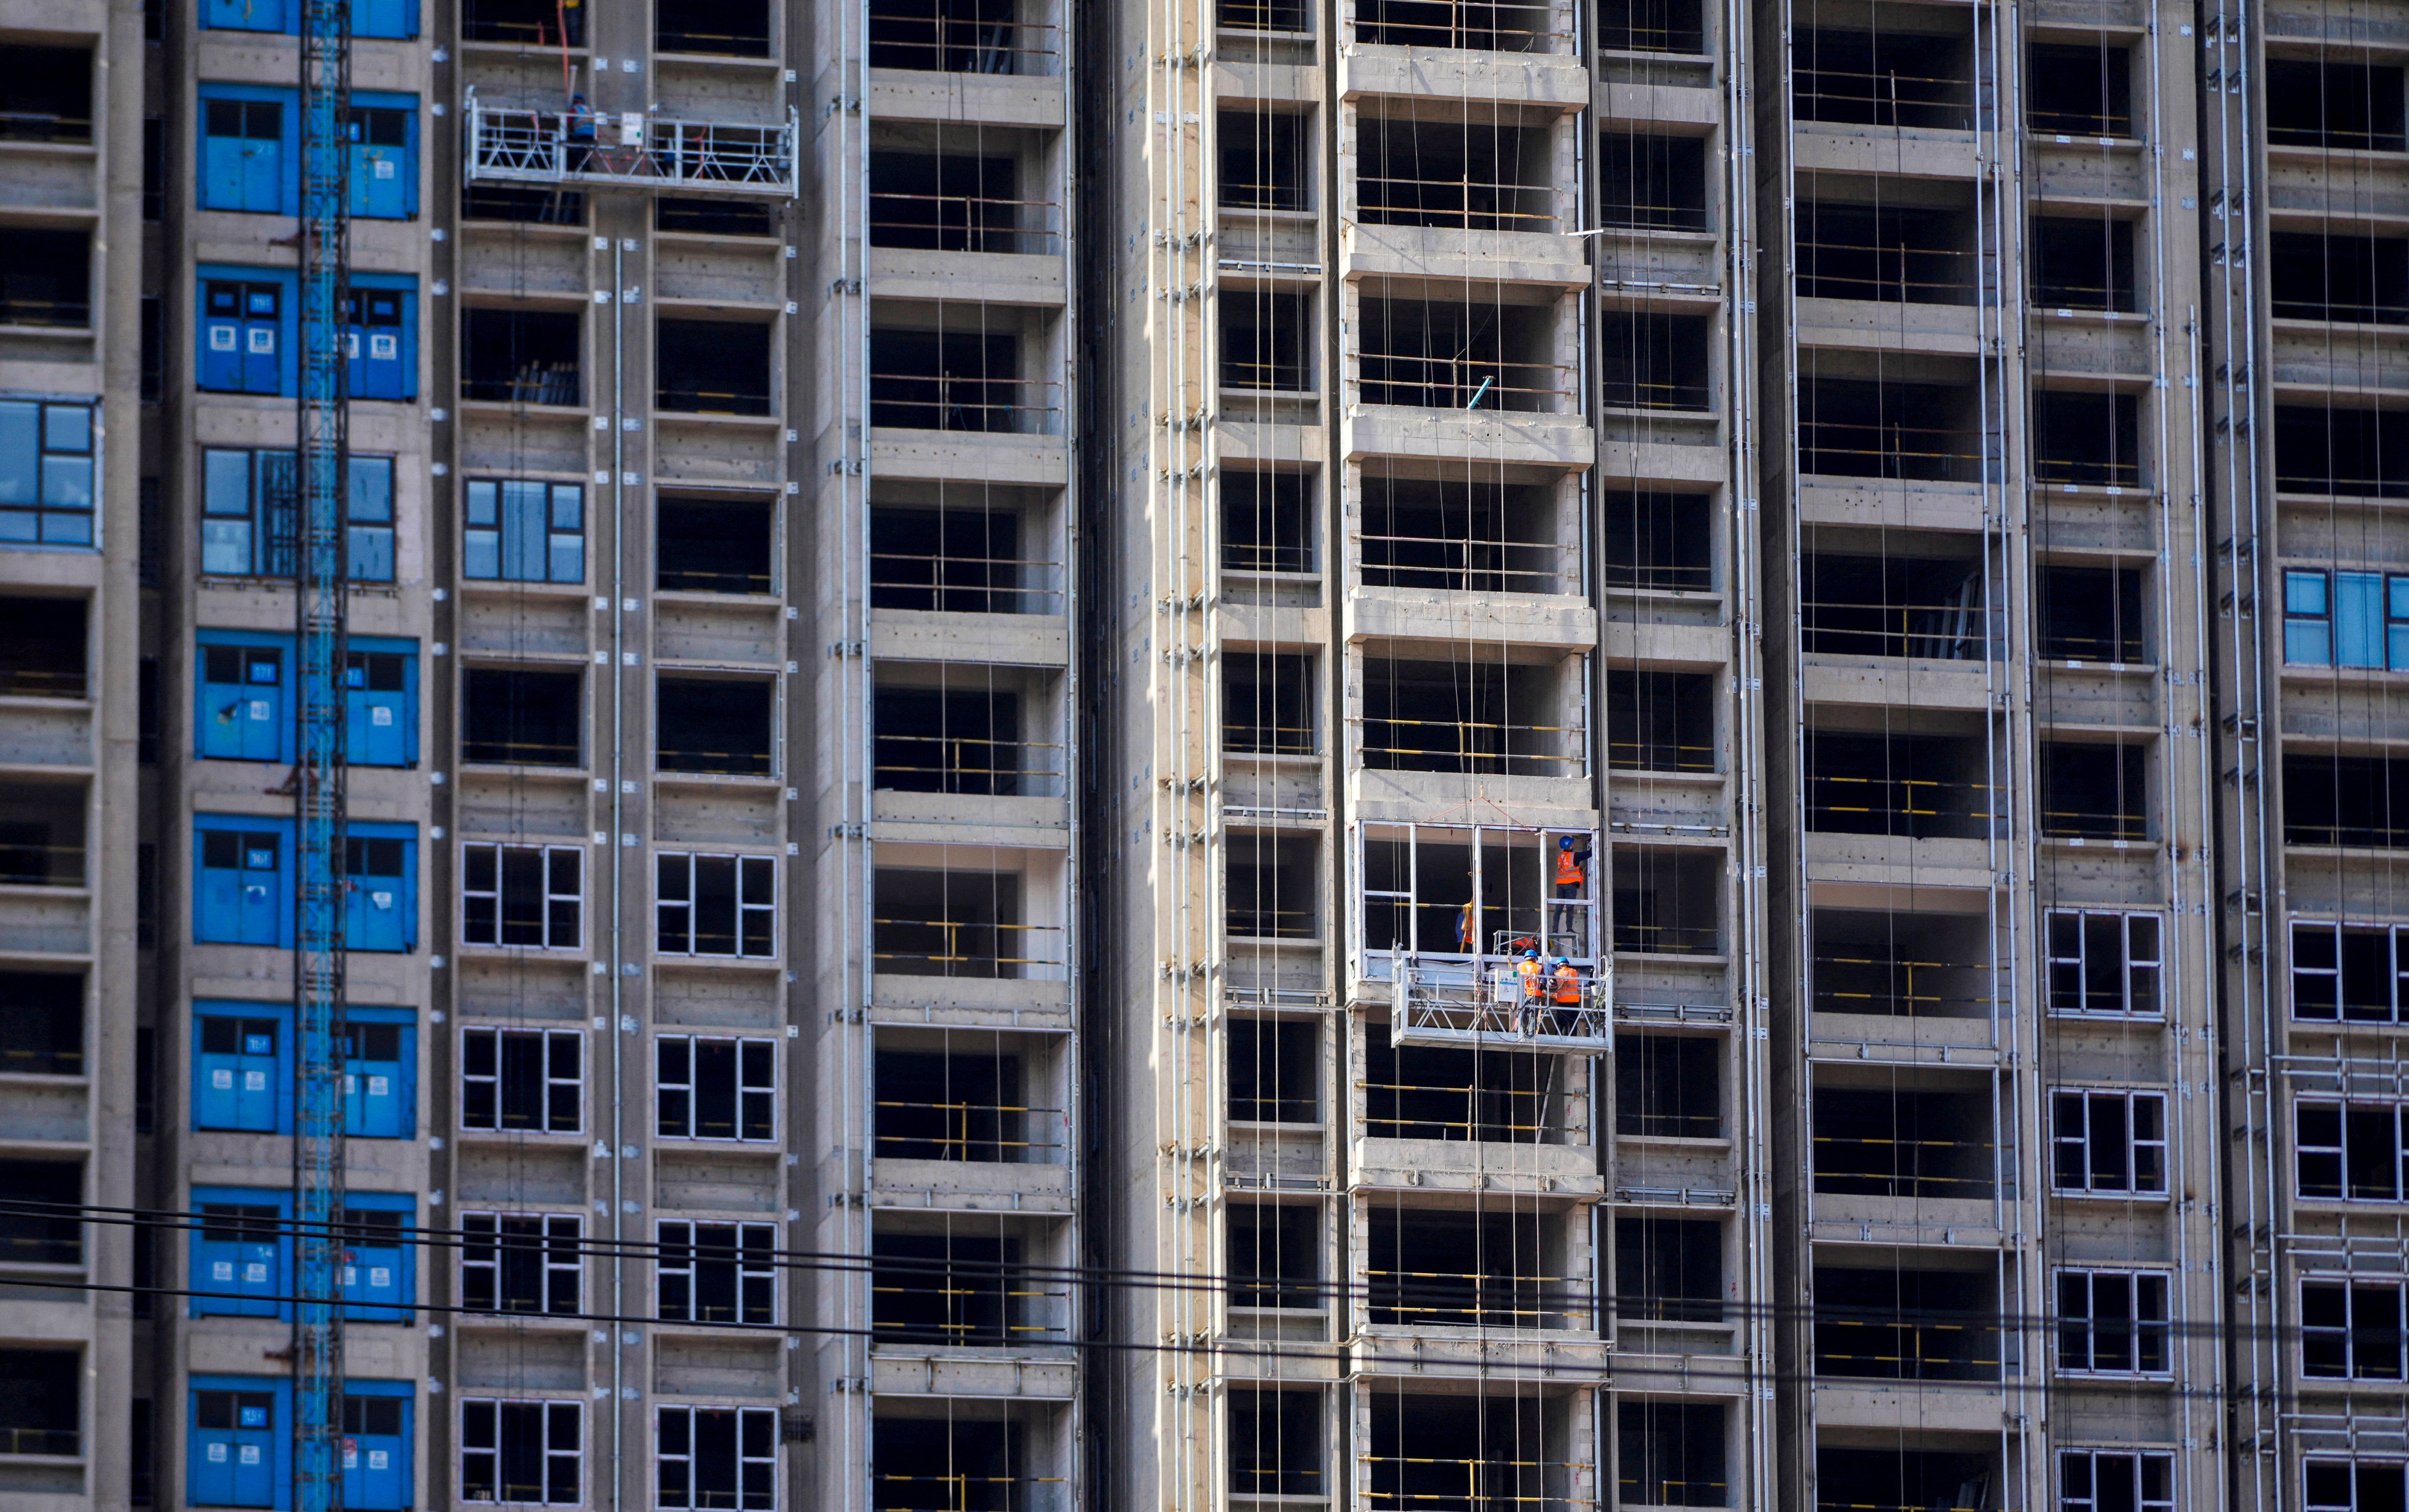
{"points": [[1406, 756]]}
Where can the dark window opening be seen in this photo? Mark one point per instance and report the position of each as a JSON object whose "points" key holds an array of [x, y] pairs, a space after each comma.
{"points": [[1668, 1270], [1651, 26], [1669, 1087], [1479, 25], [526, 719], [1454, 1096], [1857, 427], [1275, 1255], [527, 207], [1467, 174], [1651, 183], [41, 1033], [1658, 541], [1449, 1453], [951, 201], [42, 647], [2347, 278], [949, 1464], [2095, 791], [706, 545], [1668, 901], [2085, 263], [955, 561], [952, 924], [948, 1289], [728, 28], [2350, 105], [1276, 1442], [714, 217], [155, 168], [1271, 887], [1655, 361], [42, 1400], [1265, 526], [1924, 607], [2091, 613], [1274, 1072], [45, 94], [1890, 253], [1266, 703], [41, 835], [1902, 1325], [1900, 965], [1917, 1480], [2080, 89], [1446, 1267], [1660, 721], [946, 381], [2327, 450], [956, 37], [1913, 786], [1267, 341], [1463, 537], [711, 367], [949, 1106], [520, 356], [1671, 1454], [45, 277], [714, 723], [1896, 1142], [935, 740], [1263, 159], [536, 24], [153, 315], [1263, 16], [1881, 78], [1443, 355], [2345, 800], [47, 1230], [1468, 717], [2086, 438]]}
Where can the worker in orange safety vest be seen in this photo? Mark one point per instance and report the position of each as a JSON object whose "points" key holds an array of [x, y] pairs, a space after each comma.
{"points": [[1468, 928], [1571, 879], [1532, 975]]}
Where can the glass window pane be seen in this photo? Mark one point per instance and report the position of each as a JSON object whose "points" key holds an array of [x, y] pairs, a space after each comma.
{"points": [[225, 482], [67, 427], [67, 482], [481, 504], [568, 558], [66, 529], [371, 486], [568, 507], [2308, 643], [2304, 593], [370, 549], [225, 546], [482, 551], [2358, 619], [19, 453]]}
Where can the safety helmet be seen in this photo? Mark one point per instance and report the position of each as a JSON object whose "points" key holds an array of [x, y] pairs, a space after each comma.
{"points": [[1564, 843], [1530, 955], [1561, 961]]}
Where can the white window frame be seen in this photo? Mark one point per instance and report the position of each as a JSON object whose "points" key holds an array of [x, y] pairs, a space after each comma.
{"points": [[748, 908], [2351, 1286], [499, 850], [2396, 949], [2343, 1108], [550, 1081], [2348, 1462], [2127, 1465], [555, 1410], [556, 1229], [747, 1048], [761, 1416], [752, 1247], [2132, 1099], [2138, 1323], [2130, 965]]}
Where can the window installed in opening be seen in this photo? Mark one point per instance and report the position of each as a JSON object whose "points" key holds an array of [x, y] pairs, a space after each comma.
{"points": [[1658, 541], [1668, 1270], [2103, 962], [2353, 1329], [1651, 26], [1274, 1070], [1465, 174], [1271, 887], [1267, 704], [708, 543], [2112, 1323], [1263, 158], [715, 725], [2109, 1142], [1276, 1442], [2345, 619], [1649, 182], [2354, 106], [2081, 437], [716, 367], [42, 651], [520, 356], [728, 28], [2356, 974], [522, 532], [46, 490], [1669, 1087], [1671, 1454], [2095, 790], [2080, 89], [716, 1458], [715, 905], [1888, 78], [520, 716], [1660, 721], [1275, 1255], [716, 1088], [521, 895], [45, 277], [521, 1451], [718, 1273], [1266, 341], [45, 94], [2113, 1480], [1657, 361], [1912, 255], [2351, 1151], [529, 1081], [2091, 613], [1265, 526], [521, 1262]]}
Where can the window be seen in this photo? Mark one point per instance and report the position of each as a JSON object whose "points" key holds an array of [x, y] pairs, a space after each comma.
{"points": [[524, 532], [520, 1451], [715, 725], [2112, 1323], [716, 905], [521, 895], [42, 1032], [47, 459], [718, 1273], [250, 515], [513, 1262], [32, 1238], [2349, 972], [45, 93], [520, 356], [717, 1458], [2352, 1330], [2353, 1486], [2346, 619], [2103, 963], [529, 1081], [2114, 1480], [2351, 1151], [716, 1088], [46, 277], [2110, 1143]]}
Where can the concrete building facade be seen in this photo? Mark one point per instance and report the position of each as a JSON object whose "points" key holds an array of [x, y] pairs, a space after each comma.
{"points": [[1416, 756]]}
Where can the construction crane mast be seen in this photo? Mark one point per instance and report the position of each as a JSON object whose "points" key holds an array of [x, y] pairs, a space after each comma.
{"points": [[321, 460]]}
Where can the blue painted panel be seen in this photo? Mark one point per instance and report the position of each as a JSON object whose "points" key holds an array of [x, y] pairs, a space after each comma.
{"points": [[239, 1434], [242, 713], [377, 1423], [241, 1253], [250, 15], [240, 893], [381, 700], [378, 1280], [381, 1074], [243, 1076], [381, 904]]}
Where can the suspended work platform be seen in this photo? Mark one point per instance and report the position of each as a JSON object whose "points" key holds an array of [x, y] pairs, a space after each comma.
{"points": [[509, 144], [1487, 1001]]}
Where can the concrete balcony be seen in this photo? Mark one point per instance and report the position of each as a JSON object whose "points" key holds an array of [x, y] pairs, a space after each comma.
{"points": [[1404, 614], [1451, 255], [970, 1186], [1469, 1166], [1524, 78]]}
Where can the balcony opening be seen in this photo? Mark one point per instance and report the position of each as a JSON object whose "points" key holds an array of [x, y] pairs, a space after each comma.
{"points": [[1442, 355], [520, 356], [1668, 901], [1657, 361], [41, 835], [2095, 790], [1671, 1454], [2090, 438], [957, 550], [42, 647], [2325, 449], [955, 1105], [2080, 89], [42, 1032], [1884, 782], [949, 1289], [1463, 175], [1649, 182], [958, 381], [711, 367], [726, 28], [1456, 1096], [1276, 1442], [1900, 965], [45, 277], [1478, 25], [2087, 263], [1657, 541], [1651, 26], [1668, 1270], [960, 923], [1271, 892], [1265, 158], [714, 543], [1274, 1070], [1267, 341], [1275, 1255], [2353, 106], [522, 717], [955, 197], [719, 724], [1267, 704], [714, 217], [1476, 898], [41, 1401], [36, 1237], [1899, 255], [540, 24], [1857, 428], [1897, 1324], [2091, 613], [1469, 718], [1465, 537], [1927, 607], [953, 1464], [1916, 1480], [1267, 521], [957, 37], [1669, 1087], [1892, 78], [522, 205], [2353, 279], [44, 95], [1660, 721], [955, 729], [1456, 1268], [2360, 802], [1892, 1141], [1466, 1453]]}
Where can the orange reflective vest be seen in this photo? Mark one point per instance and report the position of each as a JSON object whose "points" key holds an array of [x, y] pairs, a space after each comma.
{"points": [[1465, 931], [1534, 984], [1569, 869], [1568, 987]]}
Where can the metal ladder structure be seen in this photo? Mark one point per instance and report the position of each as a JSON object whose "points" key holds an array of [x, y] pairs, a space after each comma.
{"points": [[321, 448]]}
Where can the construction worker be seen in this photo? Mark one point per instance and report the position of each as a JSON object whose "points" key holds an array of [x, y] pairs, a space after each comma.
{"points": [[1571, 879], [580, 132], [1568, 995], [1467, 929], [1534, 980]]}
